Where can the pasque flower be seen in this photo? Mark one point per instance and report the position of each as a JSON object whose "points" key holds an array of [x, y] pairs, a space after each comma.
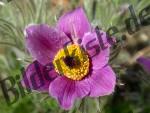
{"points": [[145, 63], [77, 71]]}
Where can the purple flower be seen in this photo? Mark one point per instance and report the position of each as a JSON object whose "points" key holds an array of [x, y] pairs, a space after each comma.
{"points": [[75, 73], [145, 62]]}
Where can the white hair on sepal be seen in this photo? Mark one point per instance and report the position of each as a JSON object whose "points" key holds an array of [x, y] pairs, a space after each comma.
{"points": [[24, 31]]}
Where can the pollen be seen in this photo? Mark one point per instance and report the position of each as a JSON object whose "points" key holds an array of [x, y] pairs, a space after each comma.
{"points": [[72, 62]]}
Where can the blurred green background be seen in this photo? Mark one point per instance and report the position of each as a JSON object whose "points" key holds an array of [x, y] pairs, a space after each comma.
{"points": [[132, 94]]}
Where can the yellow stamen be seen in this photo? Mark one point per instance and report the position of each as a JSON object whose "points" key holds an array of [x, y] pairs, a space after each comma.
{"points": [[72, 62]]}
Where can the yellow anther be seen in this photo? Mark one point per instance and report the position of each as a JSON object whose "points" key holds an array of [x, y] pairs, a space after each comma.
{"points": [[72, 62]]}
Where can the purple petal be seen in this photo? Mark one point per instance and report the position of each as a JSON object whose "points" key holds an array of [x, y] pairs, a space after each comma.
{"points": [[74, 22], [98, 55], [102, 82], [66, 91], [38, 77], [145, 62], [43, 42], [82, 88]]}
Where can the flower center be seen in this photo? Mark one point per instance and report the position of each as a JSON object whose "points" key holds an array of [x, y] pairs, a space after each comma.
{"points": [[72, 62]]}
